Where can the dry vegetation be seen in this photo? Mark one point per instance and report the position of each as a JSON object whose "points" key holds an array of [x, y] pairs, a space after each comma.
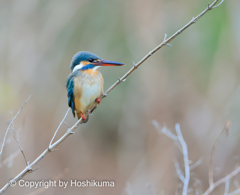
{"points": [[122, 147]]}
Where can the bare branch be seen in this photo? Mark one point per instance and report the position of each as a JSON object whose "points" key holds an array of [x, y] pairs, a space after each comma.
{"points": [[234, 192], [29, 169], [11, 124], [194, 165], [59, 127], [164, 131], [236, 183], [223, 180], [165, 42], [16, 137], [123, 78], [168, 133], [66, 124], [178, 170], [165, 38], [134, 65], [226, 128], [178, 139], [185, 157], [227, 183], [218, 4]]}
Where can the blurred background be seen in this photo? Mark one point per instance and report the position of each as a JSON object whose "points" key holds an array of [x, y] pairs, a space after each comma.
{"points": [[194, 83]]}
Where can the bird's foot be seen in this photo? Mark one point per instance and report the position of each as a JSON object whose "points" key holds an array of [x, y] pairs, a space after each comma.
{"points": [[98, 100], [83, 116]]}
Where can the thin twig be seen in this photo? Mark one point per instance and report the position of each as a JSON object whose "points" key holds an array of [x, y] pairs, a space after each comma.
{"points": [[168, 133], [226, 128], [223, 180], [17, 140], [11, 124], [66, 124], [194, 165], [29, 169], [123, 78], [235, 192], [178, 139], [164, 131], [185, 158], [236, 183], [59, 127], [178, 170], [16, 137], [165, 42], [227, 183], [218, 4]]}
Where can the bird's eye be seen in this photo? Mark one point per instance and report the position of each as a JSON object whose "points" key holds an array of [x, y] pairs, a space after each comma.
{"points": [[90, 60]]}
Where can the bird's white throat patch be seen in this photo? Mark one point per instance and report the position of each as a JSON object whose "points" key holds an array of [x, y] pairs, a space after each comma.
{"points": [[78, 67]]}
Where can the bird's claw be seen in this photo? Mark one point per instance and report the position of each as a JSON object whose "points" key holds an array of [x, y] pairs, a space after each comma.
{"points": [[98, 100], [83, 117]]}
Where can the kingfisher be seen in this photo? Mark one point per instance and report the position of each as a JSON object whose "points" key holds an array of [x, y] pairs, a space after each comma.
{"points": [[85, 83]]}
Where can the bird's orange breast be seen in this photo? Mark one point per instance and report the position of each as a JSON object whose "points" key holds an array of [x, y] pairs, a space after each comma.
{"points": [[91, 72], [87, 87]]}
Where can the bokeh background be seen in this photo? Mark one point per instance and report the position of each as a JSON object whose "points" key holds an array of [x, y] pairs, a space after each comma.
{"points": [[194, 83]]}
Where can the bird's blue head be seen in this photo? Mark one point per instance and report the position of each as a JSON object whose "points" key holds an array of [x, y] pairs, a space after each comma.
{"points": [[84, 60]]}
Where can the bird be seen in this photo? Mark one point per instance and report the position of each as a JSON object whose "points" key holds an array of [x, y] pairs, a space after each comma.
{"points": [[85, 83]]}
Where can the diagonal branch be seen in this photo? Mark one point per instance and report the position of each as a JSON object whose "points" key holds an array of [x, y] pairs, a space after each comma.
{"points": [[59, 127], [235, 192], [223, 180], [11, 124], [120, 80], [165, 42], [16, 137], [212, 184], [28, 169]]}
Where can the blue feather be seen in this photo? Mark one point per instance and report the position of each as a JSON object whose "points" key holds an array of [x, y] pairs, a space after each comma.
{"points": [[70, 93], [89, 66], [82, 56]]}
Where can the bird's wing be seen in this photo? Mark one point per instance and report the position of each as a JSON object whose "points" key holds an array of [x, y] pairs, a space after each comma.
{"points": [[70, 92]]}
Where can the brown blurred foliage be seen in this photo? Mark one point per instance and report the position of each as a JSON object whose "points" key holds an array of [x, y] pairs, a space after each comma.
{"points": [[194, 83]]}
